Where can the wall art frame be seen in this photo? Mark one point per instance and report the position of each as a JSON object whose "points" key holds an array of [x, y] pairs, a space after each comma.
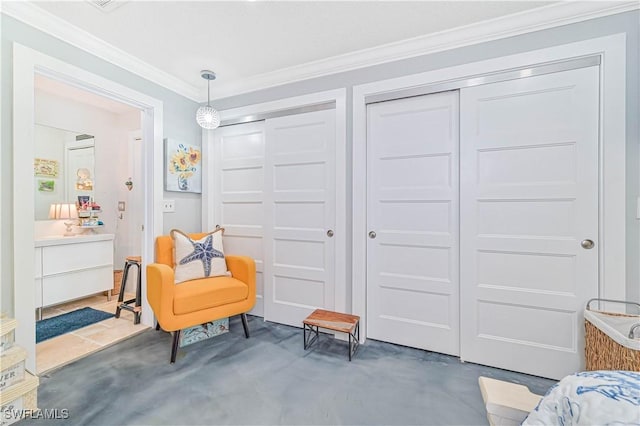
{"points": [[183, 166]]}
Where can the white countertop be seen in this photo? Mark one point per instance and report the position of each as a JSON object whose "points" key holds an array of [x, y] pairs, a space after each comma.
{"points": [[55, 240]]}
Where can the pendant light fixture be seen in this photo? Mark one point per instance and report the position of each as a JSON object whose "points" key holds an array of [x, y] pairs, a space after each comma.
{"points": [[207, 117]]}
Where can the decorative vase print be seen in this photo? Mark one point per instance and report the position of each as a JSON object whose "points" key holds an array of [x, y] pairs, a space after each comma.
{"points": [[183, 183], [184, 163]]}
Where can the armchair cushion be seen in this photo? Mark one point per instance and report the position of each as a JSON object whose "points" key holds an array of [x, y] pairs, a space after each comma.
{"points": [[208, 293], [196, 258]]}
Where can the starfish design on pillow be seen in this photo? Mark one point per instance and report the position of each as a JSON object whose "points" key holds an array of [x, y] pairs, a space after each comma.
{"points": [[204, 252]]}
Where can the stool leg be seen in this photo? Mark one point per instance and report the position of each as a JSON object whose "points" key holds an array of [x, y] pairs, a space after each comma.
{"points": [[157, 326], [138, 286], [174, 346], [125, 273], [136, 317], [245, 325]]}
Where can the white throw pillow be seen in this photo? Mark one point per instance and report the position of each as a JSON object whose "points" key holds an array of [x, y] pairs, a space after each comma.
{"points": [[201, 258]]}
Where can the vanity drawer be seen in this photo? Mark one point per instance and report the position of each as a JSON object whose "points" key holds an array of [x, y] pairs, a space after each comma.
{"points": [[38, 262], [60, 288], [74, 257], [38, 285], [38, 276]]}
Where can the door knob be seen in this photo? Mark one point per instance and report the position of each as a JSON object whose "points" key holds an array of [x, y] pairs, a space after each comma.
{"points": [[372, 234], [587, 244], [330, 233]]}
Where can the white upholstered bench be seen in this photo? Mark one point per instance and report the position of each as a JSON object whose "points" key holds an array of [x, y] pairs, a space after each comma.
{"points": [[507, 403]]}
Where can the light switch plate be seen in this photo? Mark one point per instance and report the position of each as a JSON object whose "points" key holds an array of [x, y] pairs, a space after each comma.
{"points": [[121, 206], [169, 206]]}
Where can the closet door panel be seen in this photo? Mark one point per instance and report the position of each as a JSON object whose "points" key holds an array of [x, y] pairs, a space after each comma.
{"points": [[529, 197], [299, 210], [412, 207], [239, 195]]}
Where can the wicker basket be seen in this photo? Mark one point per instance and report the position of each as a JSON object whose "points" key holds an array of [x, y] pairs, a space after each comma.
{"points": [[117, 282], [602, 352]]}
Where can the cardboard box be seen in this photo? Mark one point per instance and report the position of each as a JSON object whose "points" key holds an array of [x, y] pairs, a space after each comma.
{"points": [[12, 364], [7, 333], [19, 400]]}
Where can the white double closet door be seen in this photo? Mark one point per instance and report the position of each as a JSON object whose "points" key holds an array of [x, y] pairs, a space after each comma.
{"points": [[275, 195], [479, 233]]}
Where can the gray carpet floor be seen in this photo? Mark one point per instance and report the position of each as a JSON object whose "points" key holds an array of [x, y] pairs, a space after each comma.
{"points": [[268, 379]]}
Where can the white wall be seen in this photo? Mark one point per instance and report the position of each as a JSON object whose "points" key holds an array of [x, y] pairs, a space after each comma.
{"points": [[128, 241], [129, 235], [112, 160]]}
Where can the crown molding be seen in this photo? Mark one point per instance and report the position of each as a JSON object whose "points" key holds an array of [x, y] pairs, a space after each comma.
{"points": [[554, 15], [51, 24]]}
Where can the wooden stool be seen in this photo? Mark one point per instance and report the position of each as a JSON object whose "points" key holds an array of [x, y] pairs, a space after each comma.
{"points": [[125, 304], [334, 321]]}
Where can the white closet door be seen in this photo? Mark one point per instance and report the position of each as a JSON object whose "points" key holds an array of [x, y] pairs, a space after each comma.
{"points": [[239, 189], [529, 197], [300, 210], [412, 207]]}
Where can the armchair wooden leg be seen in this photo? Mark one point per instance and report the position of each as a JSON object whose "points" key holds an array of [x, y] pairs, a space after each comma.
{"points": [[174, 346], [245, 324]]}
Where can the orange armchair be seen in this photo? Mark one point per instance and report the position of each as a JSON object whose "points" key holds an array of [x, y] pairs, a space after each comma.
{"points": [[198, 301]]}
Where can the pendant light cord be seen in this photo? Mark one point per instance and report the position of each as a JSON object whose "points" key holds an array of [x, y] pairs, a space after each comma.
{"points": [[208, 93]]}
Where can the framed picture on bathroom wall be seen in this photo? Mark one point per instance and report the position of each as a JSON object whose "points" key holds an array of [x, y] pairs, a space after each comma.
{"points": [[46, 185], [183, 167], [45, 168]]}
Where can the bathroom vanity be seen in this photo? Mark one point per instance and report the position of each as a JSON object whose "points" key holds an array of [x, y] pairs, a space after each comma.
{"points": [[68, 268]]}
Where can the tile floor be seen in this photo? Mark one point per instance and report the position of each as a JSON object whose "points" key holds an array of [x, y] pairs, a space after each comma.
{"points": [[62, 350]]}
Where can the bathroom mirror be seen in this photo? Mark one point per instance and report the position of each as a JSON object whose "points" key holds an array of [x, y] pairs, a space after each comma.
{"points": [[63, 167]]}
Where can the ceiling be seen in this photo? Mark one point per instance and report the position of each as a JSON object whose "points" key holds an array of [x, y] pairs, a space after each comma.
{"points": [[242, 40], [57, 88]]}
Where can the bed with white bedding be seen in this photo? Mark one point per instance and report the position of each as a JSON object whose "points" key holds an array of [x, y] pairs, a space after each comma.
{"points": [[591, 398]]}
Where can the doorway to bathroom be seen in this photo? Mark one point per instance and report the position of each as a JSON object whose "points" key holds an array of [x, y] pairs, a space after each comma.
{"points": [[89, 204], [26, 63]]}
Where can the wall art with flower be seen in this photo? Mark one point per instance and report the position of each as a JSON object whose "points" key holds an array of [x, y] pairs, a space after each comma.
{"points": [[183, 164], [44, 167]]}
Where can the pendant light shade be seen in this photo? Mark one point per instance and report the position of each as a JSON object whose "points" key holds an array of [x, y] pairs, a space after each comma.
{"points": [[207, 117]]}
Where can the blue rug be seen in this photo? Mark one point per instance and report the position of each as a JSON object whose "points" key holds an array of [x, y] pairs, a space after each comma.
{"points": [[65, 323]]}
